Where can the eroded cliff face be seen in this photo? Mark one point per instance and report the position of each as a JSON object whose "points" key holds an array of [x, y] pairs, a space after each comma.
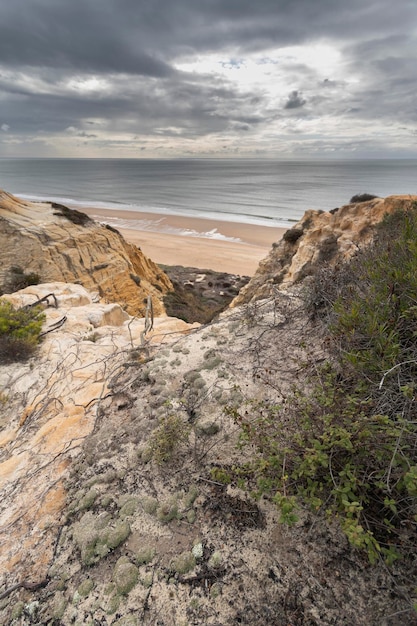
{"points": [[112, 446], [59, 244], [113, 508], [319, 237], [50, 404]]}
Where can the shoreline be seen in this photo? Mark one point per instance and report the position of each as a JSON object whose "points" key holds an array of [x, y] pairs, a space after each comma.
{"points": [[231, 247]]}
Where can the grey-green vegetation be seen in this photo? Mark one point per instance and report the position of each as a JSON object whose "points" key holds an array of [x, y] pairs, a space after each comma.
{"points": [[351, 449]]}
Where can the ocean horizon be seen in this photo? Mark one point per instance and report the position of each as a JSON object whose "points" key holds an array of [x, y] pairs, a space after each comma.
{"points": [[267, 192]]}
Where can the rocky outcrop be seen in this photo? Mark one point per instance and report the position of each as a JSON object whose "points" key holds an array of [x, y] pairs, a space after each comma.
{"points": [[115, 506], [49, 406], [60, 244], [120, 455], [319, 237]]}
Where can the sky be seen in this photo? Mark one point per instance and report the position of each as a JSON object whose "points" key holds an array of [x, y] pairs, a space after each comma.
{"points": [[208, 78]]}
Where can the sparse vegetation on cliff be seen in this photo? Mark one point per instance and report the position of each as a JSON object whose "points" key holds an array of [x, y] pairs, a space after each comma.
{"points": [[76, 217], [347, 447], [134, 474], [362, 197]]}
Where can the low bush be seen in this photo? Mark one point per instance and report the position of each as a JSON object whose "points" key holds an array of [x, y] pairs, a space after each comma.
{"points": [[293, 235], [19, 332], [348, 447], [362, 197], [74, 216]]}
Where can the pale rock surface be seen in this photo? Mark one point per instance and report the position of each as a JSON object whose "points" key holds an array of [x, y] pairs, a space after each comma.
{"points": [[184, 547], [39, 238], [82, 425], [50, 405], [319, 237]]}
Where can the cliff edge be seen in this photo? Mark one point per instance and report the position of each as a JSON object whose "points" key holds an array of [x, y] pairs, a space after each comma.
{"points": [[319, 237], [61, 244]]}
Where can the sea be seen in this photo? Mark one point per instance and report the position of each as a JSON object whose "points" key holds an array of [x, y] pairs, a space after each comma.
{"points": [[256, 191]]}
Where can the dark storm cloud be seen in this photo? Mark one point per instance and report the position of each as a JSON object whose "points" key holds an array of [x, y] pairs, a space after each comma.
{"points": [[130, 106], [295, 101], [50, 49], [78, 35], [138, 36]]}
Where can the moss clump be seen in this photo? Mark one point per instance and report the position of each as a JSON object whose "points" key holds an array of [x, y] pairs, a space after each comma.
{"points": [[59, 605], [191, 516], [191, 376], [199, 383], [145, 555], [127, 620], [87, 501], [216, 560], [17, 610], [113, 603], [129, 508], [95, 537], [183, 563], [167, 511], [85, 587], [215, 590], [118, 534], [147, 580], [149, 504], [212, 363], [207, 428], [106, 501], [191, 496], [125, 576]]}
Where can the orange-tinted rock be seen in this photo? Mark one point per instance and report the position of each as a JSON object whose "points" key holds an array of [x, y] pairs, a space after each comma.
{"points": [[319, 237], [42, 238]]}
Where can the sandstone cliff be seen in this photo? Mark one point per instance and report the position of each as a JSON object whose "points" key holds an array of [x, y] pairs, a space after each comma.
{"points": [[117, 456], [319, 237], [113, 508], [60, 244], [49, 406]]}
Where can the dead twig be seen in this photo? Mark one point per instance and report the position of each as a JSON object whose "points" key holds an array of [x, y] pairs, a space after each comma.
{"points": [[24, 585]]}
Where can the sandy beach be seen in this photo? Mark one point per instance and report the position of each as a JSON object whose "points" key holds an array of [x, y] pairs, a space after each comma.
{"points": [[227, 246]]}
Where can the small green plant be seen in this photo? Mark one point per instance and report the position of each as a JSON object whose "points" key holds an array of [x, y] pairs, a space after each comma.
{"points": [[166, 441], [19, 331]]}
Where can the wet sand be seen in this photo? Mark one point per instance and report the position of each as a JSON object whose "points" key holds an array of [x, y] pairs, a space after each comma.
{"points": [[250, 243]]}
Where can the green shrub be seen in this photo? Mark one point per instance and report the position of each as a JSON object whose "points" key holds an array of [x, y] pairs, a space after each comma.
{"points": [[349, 447], [19, 331]]}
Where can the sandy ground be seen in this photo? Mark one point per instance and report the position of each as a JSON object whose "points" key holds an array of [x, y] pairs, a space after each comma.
{"points": [[234, 257]]}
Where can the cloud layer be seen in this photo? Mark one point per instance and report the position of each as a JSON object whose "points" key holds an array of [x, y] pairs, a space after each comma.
{"points": [[283, 78]]}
